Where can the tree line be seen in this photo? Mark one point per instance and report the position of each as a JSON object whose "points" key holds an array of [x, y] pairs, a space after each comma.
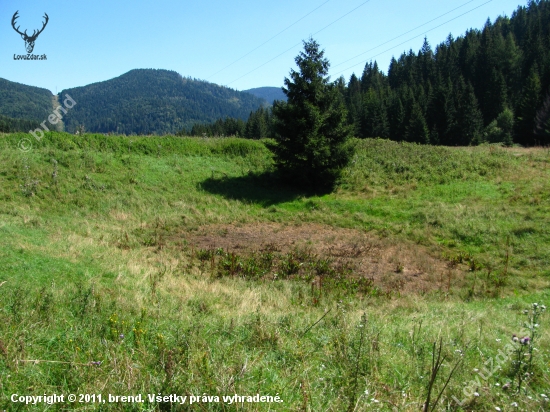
{"points": [[490, 85], [259, 125], [10, 125]]}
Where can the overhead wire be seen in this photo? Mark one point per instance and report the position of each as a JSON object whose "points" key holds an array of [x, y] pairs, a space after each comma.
{"points": [[297, 44], [412, 38], [407, 32], [267, 41]]}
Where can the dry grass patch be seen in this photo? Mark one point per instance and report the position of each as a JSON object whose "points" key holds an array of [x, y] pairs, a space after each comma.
{"points": [[119, 215], [393, 265]]}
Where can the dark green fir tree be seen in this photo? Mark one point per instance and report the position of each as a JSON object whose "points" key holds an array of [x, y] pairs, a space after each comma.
{"points": [[527, 110], [311, 128]]}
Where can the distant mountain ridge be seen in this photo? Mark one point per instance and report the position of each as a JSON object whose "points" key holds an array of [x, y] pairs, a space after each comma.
{"points": [[141, 101], [268, 93]]}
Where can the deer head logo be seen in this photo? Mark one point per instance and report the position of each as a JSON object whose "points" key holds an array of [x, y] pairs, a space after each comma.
{"points": [[29, 40]]}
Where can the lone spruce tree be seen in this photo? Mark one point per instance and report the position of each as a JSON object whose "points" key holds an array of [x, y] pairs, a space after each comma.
{"points": [[311, 128]]}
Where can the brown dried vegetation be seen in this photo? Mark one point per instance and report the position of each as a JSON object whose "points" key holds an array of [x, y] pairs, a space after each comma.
{"points": [[390, 265]]}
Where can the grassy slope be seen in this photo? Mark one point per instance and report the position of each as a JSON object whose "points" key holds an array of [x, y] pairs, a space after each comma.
{"points": [[83, 266]]}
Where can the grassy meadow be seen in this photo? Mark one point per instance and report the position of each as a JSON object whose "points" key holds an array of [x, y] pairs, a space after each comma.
{"points": [[165, 265]]}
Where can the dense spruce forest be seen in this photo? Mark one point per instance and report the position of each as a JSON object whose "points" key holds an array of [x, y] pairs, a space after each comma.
{"points": [[19, 101], [148, 101], [11, 125], [490, 85]]}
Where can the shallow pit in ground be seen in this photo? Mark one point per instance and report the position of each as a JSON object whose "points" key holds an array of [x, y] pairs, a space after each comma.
{"points": [[392, 265]]}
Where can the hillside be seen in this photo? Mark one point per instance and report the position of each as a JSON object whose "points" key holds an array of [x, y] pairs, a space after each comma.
{"points": [[148, 101], [178, 265], [267, 93], [20, 101]]}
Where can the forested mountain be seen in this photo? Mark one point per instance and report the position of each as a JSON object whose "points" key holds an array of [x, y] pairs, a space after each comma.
{"points": [[20, 101], [268, 93], [489, 85], [148, 101]]}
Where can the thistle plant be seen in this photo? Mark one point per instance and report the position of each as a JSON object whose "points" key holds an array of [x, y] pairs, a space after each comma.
{"points": [[522, 363]]}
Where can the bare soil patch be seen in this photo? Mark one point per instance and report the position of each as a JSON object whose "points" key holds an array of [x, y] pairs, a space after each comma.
{"points": [[406, 268]]}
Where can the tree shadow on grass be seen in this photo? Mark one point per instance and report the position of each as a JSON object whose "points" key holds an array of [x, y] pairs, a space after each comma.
{"points": [[264, 189]]}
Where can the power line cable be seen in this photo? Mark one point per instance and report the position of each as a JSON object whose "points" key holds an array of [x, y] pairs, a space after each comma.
{"points": [[340, 18], [297, 44], [403, 34], [267, 41], [400, 44]]}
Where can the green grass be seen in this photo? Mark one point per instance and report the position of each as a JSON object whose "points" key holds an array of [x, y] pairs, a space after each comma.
{"points": [[96, 270]]}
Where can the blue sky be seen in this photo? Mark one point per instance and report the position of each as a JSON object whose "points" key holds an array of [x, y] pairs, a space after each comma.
{"points": [[90, 41]]}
